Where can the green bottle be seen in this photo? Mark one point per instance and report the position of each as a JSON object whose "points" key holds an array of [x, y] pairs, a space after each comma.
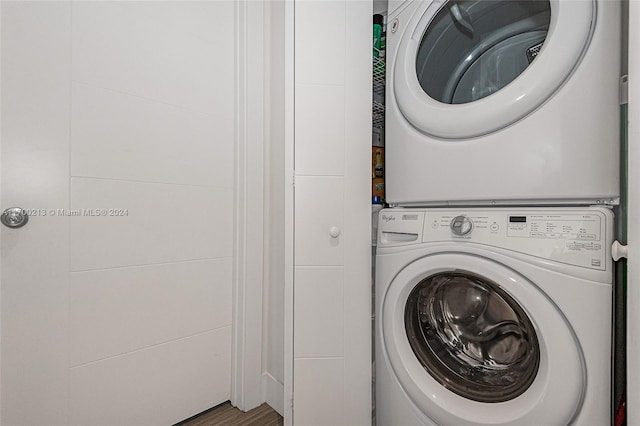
{"points": [[378, 22]]}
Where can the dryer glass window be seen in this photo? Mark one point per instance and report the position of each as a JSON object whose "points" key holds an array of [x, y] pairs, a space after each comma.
{"points": [[474, 48], [472, 337]]}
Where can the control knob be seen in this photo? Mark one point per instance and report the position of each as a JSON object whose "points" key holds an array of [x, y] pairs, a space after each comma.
{"points": [[461, 225]]}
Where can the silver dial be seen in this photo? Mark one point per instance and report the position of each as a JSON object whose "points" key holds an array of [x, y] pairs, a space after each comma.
{"points": [[461, 225]]}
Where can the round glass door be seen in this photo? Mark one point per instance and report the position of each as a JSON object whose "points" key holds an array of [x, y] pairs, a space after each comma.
{"points": [[453, 324], [467, 68], [473, 48], [472, 337]]}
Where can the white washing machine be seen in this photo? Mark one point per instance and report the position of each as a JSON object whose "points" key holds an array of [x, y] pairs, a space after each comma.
{"points": [[503, 101], [494, 317]]}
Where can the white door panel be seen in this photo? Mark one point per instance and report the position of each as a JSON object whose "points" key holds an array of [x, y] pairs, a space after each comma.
{"points": [[135, 308], [170, 37], [154, 215], [127, 147], [35, 174], [132, 389], [124, 108]]}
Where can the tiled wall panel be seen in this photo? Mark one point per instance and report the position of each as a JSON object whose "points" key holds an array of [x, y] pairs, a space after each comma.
{"points": [[318, 205], [320, 127], [320, 42], [332, 289], [319, 297], [320, 392]]}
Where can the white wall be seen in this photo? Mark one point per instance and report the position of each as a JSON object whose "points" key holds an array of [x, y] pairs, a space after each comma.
{"points": [[118, 105]]}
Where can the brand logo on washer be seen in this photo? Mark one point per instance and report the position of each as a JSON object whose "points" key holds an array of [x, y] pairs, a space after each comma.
{"points": [[388, 219]]}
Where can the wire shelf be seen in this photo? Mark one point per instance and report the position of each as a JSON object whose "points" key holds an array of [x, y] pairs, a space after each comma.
{"points": [[378, 115], [379, 76]]}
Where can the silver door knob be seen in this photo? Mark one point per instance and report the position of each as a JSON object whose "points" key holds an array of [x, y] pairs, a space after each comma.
{"points": [[14, 217]]}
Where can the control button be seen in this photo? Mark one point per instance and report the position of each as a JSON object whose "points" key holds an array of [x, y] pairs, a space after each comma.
{"points": [[461, 225], [586, 237], [494, 226], [434, 225], [536, 234], [552, 235]]}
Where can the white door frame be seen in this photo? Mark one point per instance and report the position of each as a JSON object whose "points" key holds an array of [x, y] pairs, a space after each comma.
{"points": [[0, 225], [289, 203], [246, 368]]}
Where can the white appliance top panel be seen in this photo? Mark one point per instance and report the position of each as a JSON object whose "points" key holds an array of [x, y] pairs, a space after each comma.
{"points": [[574, 236]]}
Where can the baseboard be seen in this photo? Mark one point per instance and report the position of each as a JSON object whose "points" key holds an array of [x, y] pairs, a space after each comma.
{"points": [[273, 393]]}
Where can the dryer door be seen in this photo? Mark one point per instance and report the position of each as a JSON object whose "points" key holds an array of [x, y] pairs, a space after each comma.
{"points": [[471, 67], [473, 342]]}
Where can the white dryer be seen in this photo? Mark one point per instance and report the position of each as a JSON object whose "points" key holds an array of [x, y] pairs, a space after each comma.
{"points": [[503, 101], [494, 317]]}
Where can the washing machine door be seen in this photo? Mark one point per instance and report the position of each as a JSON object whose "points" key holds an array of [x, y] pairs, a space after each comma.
{"points": [[468, 68], [473, 342]]}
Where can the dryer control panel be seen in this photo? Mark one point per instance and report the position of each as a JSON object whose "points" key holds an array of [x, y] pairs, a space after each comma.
{"points": [[575, 236]]}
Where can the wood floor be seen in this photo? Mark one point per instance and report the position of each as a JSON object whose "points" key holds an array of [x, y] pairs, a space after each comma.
{"points": [[226, 415]]}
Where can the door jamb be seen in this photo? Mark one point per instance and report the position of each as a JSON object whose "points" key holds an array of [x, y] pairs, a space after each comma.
{"points": [[289, 253], [246, 360]]}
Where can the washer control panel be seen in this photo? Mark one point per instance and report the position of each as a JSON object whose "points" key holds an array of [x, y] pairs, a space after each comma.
{"points": [[570, 227], [574, 235]]}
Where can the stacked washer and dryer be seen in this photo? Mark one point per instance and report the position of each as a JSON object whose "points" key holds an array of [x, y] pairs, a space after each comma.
{"points": [[494, 276]]}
